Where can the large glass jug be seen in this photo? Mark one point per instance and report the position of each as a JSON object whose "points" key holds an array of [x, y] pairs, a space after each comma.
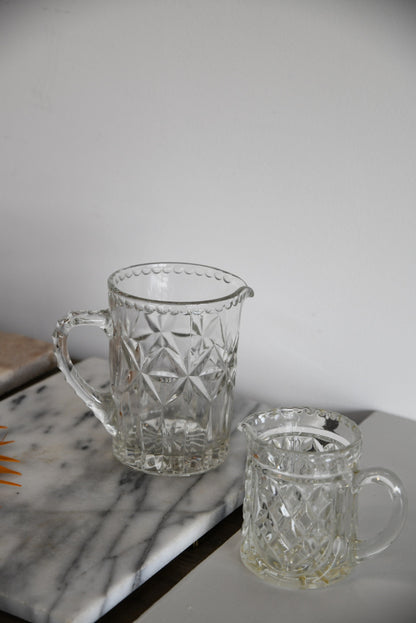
{"points": [[173, 332]]}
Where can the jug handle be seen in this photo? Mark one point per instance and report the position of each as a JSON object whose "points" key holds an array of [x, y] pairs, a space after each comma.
{"points": [[100, 402], [384, 538]]}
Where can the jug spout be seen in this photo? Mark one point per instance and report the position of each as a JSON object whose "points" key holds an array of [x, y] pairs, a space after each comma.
{"points": [[242, 293], [248, 427], [257, 426], [247, 292]]}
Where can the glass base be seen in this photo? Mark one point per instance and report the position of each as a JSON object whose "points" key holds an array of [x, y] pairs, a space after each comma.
{"points": [[171, 465], [309, 579]]}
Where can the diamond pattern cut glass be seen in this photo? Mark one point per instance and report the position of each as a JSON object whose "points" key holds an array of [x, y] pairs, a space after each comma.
{"points": [[174, 332], [300, 505]]}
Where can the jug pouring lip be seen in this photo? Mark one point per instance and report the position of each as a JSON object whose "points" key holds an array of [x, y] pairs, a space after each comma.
{"points": [[238, 290]]}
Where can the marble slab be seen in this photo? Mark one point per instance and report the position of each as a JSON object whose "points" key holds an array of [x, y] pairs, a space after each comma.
{"points": [[379, 590], [23, 359], [83, 531]]}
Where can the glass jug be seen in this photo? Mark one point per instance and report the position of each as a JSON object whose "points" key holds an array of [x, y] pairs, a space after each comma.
{"points": [[301, 496], [173, 332]]}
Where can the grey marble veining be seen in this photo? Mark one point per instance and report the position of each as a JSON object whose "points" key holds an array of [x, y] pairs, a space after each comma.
{"points": [[83, 531]]}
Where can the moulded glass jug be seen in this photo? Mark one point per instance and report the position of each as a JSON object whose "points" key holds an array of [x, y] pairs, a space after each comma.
{"points": [[173, 330], [301, 498]]}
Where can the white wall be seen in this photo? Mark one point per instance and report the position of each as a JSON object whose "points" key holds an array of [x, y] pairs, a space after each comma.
{"points": [[275, 139]]}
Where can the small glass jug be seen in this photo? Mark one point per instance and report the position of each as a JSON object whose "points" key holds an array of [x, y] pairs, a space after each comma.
{"points": [[173, 332], [301, 490]]}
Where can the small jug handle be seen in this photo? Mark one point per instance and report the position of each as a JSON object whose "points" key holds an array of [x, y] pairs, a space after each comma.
{"points": [[382, 540], [101, 403]]}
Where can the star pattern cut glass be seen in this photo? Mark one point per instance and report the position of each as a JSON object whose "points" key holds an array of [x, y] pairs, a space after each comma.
{"points": [[174, 331]]}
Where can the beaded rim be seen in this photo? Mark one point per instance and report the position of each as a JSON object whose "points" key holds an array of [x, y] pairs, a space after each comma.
{"points": [[141, 302]]}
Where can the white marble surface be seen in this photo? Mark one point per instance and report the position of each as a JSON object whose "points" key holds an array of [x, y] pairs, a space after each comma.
{"points": [[379, 590], [83, 531]]}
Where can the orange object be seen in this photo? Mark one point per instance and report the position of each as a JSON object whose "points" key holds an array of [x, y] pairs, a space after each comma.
{"points": [[7, 470]]}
